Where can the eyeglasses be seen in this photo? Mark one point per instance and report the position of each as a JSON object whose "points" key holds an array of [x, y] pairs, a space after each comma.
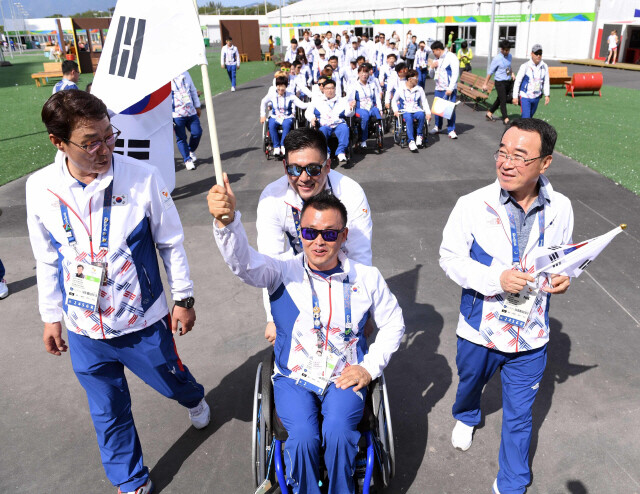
{"points": [[518, 161], [328, 235], [93, 146], [313, 170]]}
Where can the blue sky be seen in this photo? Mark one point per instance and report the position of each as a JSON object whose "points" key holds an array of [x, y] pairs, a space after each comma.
{"points": [[44, 8]]}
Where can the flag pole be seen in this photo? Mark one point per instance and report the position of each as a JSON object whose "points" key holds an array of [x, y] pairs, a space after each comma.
{"points": [[211, 119]]}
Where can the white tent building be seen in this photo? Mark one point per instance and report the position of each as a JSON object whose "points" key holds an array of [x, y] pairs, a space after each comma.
{"points": [[566, 29]]}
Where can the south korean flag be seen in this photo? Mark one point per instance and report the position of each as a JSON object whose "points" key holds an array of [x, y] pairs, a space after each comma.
{"points": [[141, 52]]}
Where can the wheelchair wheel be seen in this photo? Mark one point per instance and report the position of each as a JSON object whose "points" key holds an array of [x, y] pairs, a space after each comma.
{"points": [[262, 406], [384, 430], [266, 140], [379, 137]]}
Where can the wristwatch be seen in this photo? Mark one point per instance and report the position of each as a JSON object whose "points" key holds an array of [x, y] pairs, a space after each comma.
{"points": [[187, 303]]}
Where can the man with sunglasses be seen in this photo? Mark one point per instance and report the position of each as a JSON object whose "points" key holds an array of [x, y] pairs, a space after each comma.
{"points": [[531, 83], [504, 311], [307, 173], [111, 215], [320, 301]]}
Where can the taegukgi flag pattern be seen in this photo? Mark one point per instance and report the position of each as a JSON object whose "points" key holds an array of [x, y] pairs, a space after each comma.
{"points": [[141, 52], [571, 260]]}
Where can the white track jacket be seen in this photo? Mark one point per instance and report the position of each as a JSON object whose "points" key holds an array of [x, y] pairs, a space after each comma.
{"points": [[143, 219], [476, 249], [289, 286]]}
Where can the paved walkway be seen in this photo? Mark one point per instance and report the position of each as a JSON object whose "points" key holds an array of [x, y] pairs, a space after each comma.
{"points": [[586, 437]]}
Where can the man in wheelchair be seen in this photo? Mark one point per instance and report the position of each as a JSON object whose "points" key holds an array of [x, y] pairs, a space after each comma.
{"points": [[320, 301], [367, 99], [282, 116], [413, 104], [330, 111]]}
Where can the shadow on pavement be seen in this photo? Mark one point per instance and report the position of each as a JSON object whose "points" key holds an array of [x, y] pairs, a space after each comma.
{"points": [[576, 487], [231, 399], [18, 286], [200, 187], [418, 378]]}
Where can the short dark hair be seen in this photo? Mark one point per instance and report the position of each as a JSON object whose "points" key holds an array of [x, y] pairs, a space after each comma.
{"points": [[80, 266], [282, 81], [296, 62], [323, 201], [329, 82], [360, 57], [364, 68], [400, 66], [464, 44], [294, 41], [437, 45], [412, 73], [69, 66], [504, 45], [64, 109], [333, 57], [392, 55], [305, 138], [547, 132], [229, 38]]}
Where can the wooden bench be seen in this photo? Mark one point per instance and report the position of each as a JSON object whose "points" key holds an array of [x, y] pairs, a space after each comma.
{"points": [[558, 75], [471, 87], [267, 57], [50, 69], [589, 81], [244, 57]]}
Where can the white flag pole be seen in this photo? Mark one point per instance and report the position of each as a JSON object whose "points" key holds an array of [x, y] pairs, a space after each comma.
{"points": [[211, 119], [569, 257]]}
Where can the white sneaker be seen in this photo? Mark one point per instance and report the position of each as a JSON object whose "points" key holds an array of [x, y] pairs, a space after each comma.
{"points": [[434, 130], [494, 487], [143, 489], [233, 89], [419, 141], [462, 436], [193, 156], [412, 146], [342, 158], [276, 151], [200, 415], [4, 289], [363, 144], [189, 164], [453, 134], [282, 150]]}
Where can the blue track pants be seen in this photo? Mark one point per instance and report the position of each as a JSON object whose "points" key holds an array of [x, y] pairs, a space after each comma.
{"points": [[231, 72], [365, 115], [99, 365], [287, 125], [342, 133], [529, 106], [521, 374], [299, 410], [180, 125], [408, 119]]}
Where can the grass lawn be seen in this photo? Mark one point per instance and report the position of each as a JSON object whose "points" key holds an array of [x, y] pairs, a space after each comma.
{"points": [[598, 132], [24, 145]]}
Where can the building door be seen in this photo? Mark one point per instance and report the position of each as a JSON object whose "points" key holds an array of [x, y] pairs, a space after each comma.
{"points": [[450, 31], [508, 33]]}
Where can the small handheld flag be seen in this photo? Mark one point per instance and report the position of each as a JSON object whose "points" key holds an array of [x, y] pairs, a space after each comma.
{"points": [[571, 260], [443, 108]]}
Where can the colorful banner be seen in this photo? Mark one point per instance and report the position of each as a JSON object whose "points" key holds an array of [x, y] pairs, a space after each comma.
{"points": [[455, 19]]}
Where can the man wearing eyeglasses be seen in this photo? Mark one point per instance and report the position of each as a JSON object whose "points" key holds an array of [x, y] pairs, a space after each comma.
{"points": [[320, 302], [504, 311], [104, 215], [308, 172]]}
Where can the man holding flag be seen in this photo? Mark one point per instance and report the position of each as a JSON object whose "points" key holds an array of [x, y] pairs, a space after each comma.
{"points": [[488, 248]]}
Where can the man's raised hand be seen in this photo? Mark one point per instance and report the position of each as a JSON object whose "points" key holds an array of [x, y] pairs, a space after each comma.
{"points": [[222, 202]]}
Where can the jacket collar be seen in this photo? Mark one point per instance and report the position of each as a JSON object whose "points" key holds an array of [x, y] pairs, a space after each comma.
{"points": [[340, 276], [100, 183]]}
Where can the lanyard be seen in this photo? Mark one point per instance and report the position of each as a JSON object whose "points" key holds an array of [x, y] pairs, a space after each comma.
{"points": [[317, 324], [284, 107], [515, 250], [106, 220]]}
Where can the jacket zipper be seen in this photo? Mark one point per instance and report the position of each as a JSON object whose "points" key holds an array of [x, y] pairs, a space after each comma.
{"points": [[326, 341], [148, 280], [475, 295]]}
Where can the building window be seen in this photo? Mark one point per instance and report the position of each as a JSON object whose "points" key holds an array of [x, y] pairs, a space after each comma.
{"points": [[468, 33], [508, 33]]}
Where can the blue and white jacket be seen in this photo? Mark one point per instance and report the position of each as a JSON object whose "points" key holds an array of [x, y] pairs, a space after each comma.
{"points": [[64, 84], [532, 80], [329, 112], [289, 286], [282, 107], [446, 72], [476, 249], [143, 219]]}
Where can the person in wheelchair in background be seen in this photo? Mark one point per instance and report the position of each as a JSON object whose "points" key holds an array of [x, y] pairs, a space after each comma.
{"points": [[366, 95], [282, 116], [322, 363], [412, 101], [329, 112]]}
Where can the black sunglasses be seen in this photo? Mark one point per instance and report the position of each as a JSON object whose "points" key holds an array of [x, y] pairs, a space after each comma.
{"points": [[312, 170], [328, 235]]}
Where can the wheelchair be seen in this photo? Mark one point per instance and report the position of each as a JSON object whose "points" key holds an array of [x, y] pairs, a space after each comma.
{"points": [[333, 141], [375, 461], [400, 136], [376, 132], [267, 144]]}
